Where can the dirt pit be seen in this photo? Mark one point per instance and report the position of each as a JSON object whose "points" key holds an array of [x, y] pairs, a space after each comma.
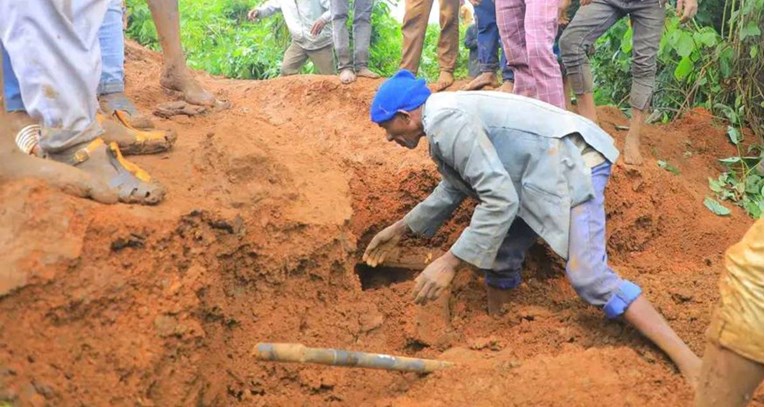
{"points": [[270, 206]]}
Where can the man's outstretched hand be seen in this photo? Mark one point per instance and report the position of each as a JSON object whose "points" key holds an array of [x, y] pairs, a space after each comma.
{"points": [[383, 243], [686, 9], [435, 278]]}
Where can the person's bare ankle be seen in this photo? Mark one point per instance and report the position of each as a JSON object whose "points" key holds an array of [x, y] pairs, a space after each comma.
{"points": [[181, 80]]}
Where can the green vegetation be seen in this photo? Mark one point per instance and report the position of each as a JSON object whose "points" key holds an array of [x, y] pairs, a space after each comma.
{"points": [[714, 61]]}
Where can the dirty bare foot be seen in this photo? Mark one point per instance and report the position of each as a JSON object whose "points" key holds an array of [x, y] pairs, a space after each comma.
{"points": [[507, 87], [118, 101], [632, 149], [445, 79], [347, 76], [497, 300], [178, 108], [483, 80], [16, 165], [179, 78], [133, 141], [365, 72], [105, 164]]}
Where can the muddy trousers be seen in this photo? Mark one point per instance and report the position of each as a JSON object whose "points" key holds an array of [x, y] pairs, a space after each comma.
{"points": [[587, 266], [591, 21], [416, 24], [362, 32], [112, 41], [59, 80], [295, 57]]}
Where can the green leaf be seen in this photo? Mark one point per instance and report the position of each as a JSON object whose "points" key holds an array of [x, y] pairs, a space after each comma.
{"points": [[734, 135], [726, 56], [730, 160], [626, 45], [716, 207], [707, 37], [684, 44], [750, 30], [715, 185], [667, 166], [753, 51], [683, 69]]}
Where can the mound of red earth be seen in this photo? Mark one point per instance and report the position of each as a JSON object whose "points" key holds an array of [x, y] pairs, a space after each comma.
{"points": [[270, 206]]}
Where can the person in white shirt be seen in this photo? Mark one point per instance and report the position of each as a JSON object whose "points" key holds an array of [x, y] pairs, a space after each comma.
{"points": [[311, 35]]}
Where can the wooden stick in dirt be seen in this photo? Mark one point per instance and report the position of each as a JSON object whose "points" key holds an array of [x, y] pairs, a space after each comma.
{"points": [[297, 353]]}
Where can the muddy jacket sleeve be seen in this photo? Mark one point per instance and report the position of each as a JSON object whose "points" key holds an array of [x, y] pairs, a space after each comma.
{"points": [[461, 143], [269, 8], [428, 216]]}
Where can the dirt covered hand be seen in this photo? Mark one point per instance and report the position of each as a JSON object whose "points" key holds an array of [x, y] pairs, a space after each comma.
{"points": [[318, 25], [435, 278], [253, 14], [686, 9], [383, 243]]}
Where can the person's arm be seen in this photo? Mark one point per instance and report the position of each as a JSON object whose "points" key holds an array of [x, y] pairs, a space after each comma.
{"points": [[268, 8], [428, 216], [462, 144]]}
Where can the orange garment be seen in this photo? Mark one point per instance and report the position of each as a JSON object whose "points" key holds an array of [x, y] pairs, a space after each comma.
{"points": [[738, 320]]}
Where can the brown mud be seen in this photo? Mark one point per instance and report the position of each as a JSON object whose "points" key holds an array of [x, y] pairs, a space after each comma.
{"points": [[269, 207]]}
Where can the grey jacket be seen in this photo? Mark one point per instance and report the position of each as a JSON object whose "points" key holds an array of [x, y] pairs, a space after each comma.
{"points": [[299, 15], [512, 154]]}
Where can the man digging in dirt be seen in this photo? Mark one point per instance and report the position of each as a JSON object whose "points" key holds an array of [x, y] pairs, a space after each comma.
{"points": [[58, 83], [536, 170], [732, 367]]}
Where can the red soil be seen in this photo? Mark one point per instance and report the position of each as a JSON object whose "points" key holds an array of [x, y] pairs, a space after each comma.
{"points": [[270, 205]]}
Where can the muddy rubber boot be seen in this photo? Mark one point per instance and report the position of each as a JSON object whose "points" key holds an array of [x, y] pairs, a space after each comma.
{"points": [[365, 72], [118, 103], [105, 163], [132, 141], [347, 76], [483, 80], [180, 80], [497, 300]]}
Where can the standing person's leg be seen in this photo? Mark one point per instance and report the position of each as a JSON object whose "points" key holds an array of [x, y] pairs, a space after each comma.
{"points": [[448, 42], [488, 38], [341, 39], [510, 15], [732, 367], [175, 74], [58, 85], [362, 35], [505, 274], [589, 23], [111, 89], [595, 282], [541, 27], [508, 77], [294, 58], [413, 30], [323, 60], [647, 25]]}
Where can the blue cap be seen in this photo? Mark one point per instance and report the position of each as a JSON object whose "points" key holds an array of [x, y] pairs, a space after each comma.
{"points": [[400, 92]]}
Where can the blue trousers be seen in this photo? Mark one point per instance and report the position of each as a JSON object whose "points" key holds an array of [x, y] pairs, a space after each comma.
{"points": [[112, 41], [587, 267], [489, 42]]}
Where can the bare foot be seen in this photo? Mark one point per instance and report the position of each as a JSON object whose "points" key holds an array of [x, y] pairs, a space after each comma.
{"points": [[632, 149], [119, 101], [507, 87], [497, 300], [178, 108], [483, 80], [181, 80], [364, 72], [347, 76], [445, 79]]}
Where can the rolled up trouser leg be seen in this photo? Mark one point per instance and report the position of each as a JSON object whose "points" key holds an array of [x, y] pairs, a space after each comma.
{"points": [[587, 266], [112, 41], [737, 323], [59, 80], [648, 25], [589, 23], [488, 35], [506, 270]]}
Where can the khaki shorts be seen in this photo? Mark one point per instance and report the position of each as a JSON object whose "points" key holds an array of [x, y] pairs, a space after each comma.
{"points": [[737, 323]]}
